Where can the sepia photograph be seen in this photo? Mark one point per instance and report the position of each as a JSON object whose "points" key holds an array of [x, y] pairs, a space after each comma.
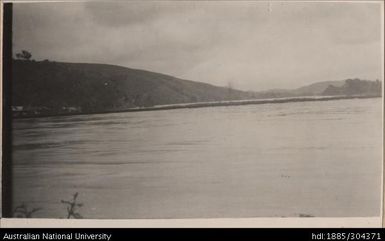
{"points": [[196, 109]]}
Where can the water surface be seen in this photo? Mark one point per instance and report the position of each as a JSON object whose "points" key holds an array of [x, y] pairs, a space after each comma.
{"points": [[272, 160]]}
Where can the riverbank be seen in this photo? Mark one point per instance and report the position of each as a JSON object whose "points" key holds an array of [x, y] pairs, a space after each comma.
{"points": [[210, 104]]}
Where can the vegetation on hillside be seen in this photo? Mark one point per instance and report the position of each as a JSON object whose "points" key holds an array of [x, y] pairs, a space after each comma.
{"points": [[99, 87], [355, 87], [49, 88]]}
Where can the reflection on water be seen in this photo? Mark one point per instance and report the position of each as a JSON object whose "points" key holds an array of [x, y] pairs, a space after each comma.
{"points": [[272, 160]]}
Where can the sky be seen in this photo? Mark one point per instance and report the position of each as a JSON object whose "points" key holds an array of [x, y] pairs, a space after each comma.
{"points": [[246, 44]]}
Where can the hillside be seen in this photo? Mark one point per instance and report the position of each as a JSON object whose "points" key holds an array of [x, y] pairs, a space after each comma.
{"points": [[50, 88], [317, 88], [355, 87], [100, 87], [346, 87]]}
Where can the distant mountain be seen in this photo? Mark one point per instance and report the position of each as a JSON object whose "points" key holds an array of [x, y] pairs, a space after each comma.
{"points": [[317, 88], [54, 87], [338, 87]]}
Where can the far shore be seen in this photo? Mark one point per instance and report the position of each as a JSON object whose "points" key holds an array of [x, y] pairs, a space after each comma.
{"points": [[210, 104]]}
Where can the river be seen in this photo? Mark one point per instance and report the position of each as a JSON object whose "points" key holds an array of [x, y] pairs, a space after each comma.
{"points": [[321, 158]]}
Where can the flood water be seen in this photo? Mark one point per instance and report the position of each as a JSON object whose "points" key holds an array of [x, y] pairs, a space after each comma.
{"points": [[322, 159]]}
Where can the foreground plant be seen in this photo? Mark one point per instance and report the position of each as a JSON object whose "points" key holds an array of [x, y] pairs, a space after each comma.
{"points": [[23, 211], [72, 206]]}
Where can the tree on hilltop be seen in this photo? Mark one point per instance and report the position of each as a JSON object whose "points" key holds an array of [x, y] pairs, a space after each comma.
{"points": [[24, 55]]}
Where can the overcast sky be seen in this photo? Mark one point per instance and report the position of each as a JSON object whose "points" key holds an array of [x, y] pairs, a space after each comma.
{"points": [[252, 45]]}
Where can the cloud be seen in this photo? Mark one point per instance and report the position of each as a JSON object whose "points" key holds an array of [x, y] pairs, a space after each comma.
{"points": [[253, 45], [124, 13]]}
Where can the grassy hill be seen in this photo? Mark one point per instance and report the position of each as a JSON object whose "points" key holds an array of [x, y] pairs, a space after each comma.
{"points": [[44, 87], [99, 87], [355, 87]]}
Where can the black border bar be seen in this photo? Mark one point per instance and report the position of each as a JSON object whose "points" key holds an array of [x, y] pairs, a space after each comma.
{"points": [[196, 234], [6, 116]]}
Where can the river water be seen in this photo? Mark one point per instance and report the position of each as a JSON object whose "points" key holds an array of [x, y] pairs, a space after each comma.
{"points": [[321, 159]]}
